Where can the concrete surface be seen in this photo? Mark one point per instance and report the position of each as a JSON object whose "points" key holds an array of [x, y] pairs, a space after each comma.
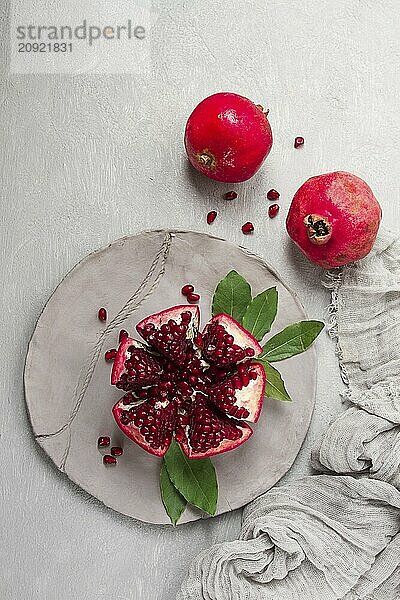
{"points": [[88, 159]]}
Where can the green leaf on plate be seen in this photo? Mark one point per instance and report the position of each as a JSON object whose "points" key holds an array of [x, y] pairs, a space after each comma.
{"points": [[232, 296], [293, 340], [275, 387], [261, 313], [172, 499], [195, 479]]}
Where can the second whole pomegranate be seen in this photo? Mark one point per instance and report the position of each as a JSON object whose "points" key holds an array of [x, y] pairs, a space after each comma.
{"points": [[334, 219]]}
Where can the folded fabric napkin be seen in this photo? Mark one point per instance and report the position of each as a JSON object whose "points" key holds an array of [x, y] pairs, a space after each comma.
{"points": [[333, 536]]}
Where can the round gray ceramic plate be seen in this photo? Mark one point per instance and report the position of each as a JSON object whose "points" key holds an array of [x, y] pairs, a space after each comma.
{"points": [[67, 380]]}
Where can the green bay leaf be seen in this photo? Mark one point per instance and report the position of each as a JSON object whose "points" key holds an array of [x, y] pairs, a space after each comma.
{"points": [[174, 502], [195, 478], [275, 387], [292, 340], [261, 313], [232, 296]]}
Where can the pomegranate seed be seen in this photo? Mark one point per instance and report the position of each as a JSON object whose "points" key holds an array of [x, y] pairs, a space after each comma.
{"points": [[109, 460], [248, 228], [110, 354], [117, 451], [123, 335], [211, 217], [245, 379], [273, 195], [193, 298], [102, 314], [198, 340], [231, 195], [187, 289], [103, 441], [273, 210], [298, 142]]}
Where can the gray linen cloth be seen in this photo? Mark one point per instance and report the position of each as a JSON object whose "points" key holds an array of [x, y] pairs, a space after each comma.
{"points": [[335, 535]]}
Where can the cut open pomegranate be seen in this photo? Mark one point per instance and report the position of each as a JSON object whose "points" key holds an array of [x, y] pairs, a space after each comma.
{"points": [[198, 388]]}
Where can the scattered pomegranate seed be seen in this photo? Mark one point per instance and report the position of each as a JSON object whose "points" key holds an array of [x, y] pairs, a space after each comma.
{"points": [[211, 216], [102, 314], [123, 335], [187, 289], [117, 451], [193, 298], [273, 210], [298, 142], [109, 460], [231, 195], [103, 441], [110, 354], [273, 195], [248, 228]]}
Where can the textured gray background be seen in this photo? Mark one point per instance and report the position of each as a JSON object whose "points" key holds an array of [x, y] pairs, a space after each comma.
{"points": [[88, 159]]}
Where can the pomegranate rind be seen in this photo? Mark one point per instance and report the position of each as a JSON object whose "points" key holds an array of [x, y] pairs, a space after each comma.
{"points": [[250, 397], [174, 313], [225, 446], [119, 362], [240, 335], [133, 432], [255, 403]]}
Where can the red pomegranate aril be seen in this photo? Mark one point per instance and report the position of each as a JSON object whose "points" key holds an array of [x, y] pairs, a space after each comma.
{"points": [[187, 289], [117, 451], [109, 460], [123, 335], [273, 195], [102, 314], [148, 328], [110, 354], [231, 195], [193, 298], [250, 352], [273, 211], [245, 379], [211, 216], [103, 441], [298, 142], [128, 399], [185, 388], [248, 228], [198, 340]]}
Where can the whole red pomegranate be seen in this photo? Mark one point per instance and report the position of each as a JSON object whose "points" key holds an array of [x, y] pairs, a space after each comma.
{"points": [[228, 137], [199, 388], [334, 219]]}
